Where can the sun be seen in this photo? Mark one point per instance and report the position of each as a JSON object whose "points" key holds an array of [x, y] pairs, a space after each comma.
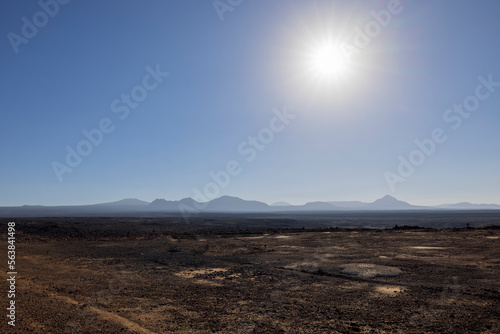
{"points": [[327, 62]]}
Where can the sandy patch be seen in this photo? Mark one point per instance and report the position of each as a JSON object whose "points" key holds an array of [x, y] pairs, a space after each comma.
{"points": [[291, 247], [170, 238], [252, 238], [191, 273], [427, 247], [389, 290], [207, 282], [283, 236]]}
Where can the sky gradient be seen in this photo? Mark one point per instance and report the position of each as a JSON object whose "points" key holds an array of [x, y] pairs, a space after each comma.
{"points": [[239, 97]]}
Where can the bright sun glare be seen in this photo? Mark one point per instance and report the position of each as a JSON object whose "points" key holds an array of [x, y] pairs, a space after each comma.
{"points": [[327, 62]]}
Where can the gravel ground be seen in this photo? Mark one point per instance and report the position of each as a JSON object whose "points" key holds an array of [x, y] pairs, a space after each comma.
{"points": [[274, 282]]}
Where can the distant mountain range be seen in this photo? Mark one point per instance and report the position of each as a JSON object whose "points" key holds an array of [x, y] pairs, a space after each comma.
{"points": [[224, 204], [469, 206]]}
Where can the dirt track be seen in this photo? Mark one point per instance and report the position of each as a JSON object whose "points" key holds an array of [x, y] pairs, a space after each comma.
{"points": [[260, 283]]}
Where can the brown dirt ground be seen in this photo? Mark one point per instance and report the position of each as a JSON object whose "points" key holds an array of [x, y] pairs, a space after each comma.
{"points": [[259, 283]]}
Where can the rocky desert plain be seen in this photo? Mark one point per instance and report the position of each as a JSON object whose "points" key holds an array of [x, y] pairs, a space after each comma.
{"points": [[160, 275]]}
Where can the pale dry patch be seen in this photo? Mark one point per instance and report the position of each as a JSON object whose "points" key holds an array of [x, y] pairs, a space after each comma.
{"points": [[191, 273], [207, 282], [170, 238], [245, 302], [427, 247], [389, 290], [325, 256], [253, 238], [406, 257]]}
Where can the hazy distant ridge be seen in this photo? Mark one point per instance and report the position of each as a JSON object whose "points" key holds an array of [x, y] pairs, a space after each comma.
{"points": [[226, 204]]}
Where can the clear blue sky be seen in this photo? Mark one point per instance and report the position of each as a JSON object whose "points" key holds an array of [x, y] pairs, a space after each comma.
{"points": [[226, 77]]}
